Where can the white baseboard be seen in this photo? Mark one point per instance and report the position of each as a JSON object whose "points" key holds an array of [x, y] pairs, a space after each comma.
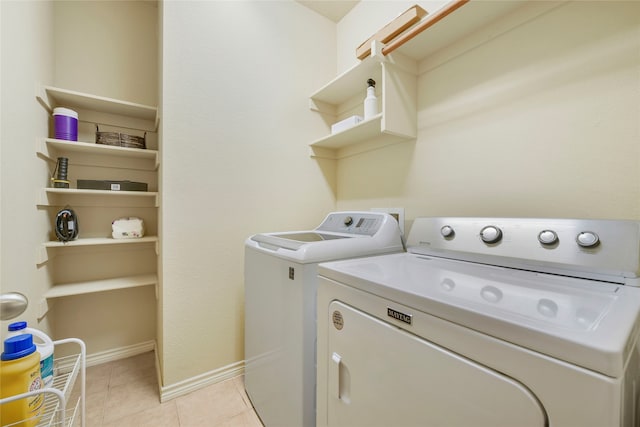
{"points": [[174, 390], [194, 383], [120, 353]]}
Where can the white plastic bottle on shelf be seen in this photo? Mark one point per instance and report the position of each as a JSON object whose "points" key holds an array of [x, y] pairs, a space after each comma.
{"points": [[44, 345], [370, 102]]}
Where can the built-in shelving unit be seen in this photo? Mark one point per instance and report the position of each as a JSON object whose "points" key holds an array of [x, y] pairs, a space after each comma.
{"points": [[95, 161]]}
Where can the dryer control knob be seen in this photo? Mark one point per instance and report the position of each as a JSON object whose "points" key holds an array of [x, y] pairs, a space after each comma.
{"points": [[447, 232], [348, 221], [548, 237], [491, 234], [587, 239]]}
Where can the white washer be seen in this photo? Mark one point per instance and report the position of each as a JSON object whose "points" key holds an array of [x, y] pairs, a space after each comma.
{"points": [[280, 307], [485, 322]]}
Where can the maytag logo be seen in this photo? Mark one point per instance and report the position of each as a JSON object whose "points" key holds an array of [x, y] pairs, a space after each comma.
{"points": [[406, 318]]}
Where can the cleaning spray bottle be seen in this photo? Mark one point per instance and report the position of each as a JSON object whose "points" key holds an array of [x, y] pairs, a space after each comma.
{"points": [[370, 102], [20, 373], [44, 346]]}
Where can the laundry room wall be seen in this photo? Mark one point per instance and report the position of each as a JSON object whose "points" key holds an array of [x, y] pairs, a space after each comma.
{"points": [[108, 48], [537, 121], [235, 129], [26, 57]]}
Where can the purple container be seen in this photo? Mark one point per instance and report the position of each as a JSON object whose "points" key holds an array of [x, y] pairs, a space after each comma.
{"points": [[65, 124]]}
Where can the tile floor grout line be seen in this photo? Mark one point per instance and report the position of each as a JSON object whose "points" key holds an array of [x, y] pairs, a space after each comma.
{"points": [[221, 403]]}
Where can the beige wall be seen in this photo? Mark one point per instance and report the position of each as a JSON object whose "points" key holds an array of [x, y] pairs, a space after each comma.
{"points": [[26, 57], [540, 121], [235, 160], [108, 48]]}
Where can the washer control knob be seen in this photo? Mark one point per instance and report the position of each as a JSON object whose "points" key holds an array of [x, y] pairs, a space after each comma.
{"points": [[491, 234], [587, 239], [447, 232], [348, 221], [548, 237]]}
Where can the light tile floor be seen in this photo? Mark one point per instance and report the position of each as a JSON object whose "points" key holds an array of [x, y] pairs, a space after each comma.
{"points": [[124, 393]]}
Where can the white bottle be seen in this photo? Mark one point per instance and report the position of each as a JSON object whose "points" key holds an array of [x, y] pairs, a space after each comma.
{"points": [[44, 346], [370, 102]]}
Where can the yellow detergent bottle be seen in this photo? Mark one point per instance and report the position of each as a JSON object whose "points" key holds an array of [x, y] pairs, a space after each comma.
{"points": [[20, 373]]}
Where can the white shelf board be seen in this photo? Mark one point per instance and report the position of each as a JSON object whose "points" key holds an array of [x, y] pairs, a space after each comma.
{"points": [[92, 148], [346, 84], [70, 99], [364, 130], [79, 288], [98, 241], [108, 193], [469, 18]]}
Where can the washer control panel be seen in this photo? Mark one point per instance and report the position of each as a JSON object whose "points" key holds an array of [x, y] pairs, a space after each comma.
{"points": [[603, 247], [360, 223]]}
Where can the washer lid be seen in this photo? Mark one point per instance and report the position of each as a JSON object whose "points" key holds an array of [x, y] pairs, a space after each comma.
{"points": [[304, 237], [588, 323], [295, 240], [341, 235]]}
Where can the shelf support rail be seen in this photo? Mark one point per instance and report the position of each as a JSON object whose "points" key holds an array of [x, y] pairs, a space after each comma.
{"points": [[59, 395], [83, 371], [62, 402], [429, 21]]}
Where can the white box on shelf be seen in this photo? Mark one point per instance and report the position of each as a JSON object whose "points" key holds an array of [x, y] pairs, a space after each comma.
{"points": [[345, 124]]}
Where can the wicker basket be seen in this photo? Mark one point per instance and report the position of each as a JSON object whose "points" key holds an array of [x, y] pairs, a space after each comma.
{"points": [[121, 139]]}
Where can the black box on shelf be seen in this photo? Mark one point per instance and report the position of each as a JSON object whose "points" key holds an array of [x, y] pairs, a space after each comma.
{"points": [[91, 184]]}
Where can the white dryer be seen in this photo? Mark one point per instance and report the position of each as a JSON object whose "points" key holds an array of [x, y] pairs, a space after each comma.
{"points": [[280, 307], [485, 322]]}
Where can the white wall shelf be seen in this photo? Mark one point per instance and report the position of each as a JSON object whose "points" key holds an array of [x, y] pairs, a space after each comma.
{"points": [[100, 241], [97, 198], [347, 84], [79, 288], [396, 86], [42, 254], [51, 149], [51, 97], [440, 32]]}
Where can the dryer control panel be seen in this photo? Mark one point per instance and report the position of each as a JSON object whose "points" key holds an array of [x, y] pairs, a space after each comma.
{"points": [[606, 250]]}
